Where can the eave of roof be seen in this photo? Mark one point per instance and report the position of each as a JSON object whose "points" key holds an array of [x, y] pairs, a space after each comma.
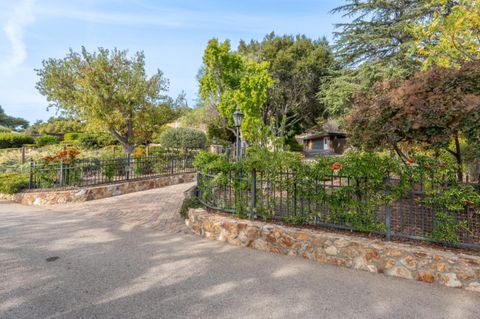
{"points": [[326, 134]]}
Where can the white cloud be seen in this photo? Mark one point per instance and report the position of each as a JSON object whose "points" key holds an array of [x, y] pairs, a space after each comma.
{"points": [[14, 29]]}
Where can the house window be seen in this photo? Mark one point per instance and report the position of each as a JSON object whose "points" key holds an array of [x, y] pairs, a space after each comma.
{"points": [[325, 143]]}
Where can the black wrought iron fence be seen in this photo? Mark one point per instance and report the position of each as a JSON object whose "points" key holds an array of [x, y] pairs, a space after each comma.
{"points": [[90, 172], [342, 202]]}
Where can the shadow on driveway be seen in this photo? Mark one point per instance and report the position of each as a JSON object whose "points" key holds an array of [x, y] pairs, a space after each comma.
{"points": [[108, 270]]}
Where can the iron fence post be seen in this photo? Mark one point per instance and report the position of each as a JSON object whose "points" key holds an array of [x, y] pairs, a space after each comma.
{"points": [[30, 180], [127, 167], [199, 195], [388, 209], [61, 173], [172, 164], [294, 196], [254, 194]]}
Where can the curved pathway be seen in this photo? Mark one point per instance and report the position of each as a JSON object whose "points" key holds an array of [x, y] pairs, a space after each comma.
{"points": [[119, 258]]}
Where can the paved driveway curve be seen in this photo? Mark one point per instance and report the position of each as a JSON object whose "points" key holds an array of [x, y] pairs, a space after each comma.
{"points": [[127, 257]]}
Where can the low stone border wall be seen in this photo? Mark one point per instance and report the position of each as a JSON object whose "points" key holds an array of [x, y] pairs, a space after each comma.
{"points": [[390, 258], [52, 197]]}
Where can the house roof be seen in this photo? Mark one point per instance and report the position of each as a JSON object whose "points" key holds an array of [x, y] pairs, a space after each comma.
{"points": [[330, 128], [324, 134]]}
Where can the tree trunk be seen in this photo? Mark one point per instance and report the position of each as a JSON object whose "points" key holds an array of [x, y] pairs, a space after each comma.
{"points": [[400, 154], [458, 157], [127, 147]]}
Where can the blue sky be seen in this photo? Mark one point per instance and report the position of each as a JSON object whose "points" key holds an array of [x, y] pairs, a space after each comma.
{"points": [[172, 33]]}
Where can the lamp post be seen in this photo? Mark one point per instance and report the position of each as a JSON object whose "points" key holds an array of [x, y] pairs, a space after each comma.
{"points": [[237, 121]]}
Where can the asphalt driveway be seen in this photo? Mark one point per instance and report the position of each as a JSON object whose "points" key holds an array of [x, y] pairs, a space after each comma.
{"points": [[128, 257]]}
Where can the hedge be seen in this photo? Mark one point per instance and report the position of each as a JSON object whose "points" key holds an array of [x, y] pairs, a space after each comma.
{"points": [[96, 140], [184, 138], [46, 140], [12, 140], [11, 183], [72, 137]]}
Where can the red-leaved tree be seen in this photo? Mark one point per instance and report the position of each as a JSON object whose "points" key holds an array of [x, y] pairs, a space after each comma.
{"points": [[432, 108]]}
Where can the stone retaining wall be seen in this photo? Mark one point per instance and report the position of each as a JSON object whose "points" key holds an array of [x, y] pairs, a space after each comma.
{"points": [[51, 197], [374, 255]]}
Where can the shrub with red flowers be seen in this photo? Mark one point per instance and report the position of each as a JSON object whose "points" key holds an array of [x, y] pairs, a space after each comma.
{"points": [[58, 169], [336, 166], [66, 156]]}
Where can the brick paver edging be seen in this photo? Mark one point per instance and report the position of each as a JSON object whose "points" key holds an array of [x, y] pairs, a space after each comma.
{"points": [[373, 255], [84, 194]]}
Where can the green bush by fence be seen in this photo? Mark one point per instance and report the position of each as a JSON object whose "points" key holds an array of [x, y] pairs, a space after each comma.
{"points": [[44, 140], [72, 137], [183, 138], [13, 140], [12, 183], [96, 140], [355, 191]]}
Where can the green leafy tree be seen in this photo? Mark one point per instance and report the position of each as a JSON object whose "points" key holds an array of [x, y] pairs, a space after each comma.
{"points": [[451, 36], [375, 45], [197, 117], [229, 81], [57, 125], [297, 65], [109, 91], [337, 90], [11, 122]]}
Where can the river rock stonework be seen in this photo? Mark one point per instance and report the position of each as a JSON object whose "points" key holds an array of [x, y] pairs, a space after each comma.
{"points": [[429, 265], [83, 194]]}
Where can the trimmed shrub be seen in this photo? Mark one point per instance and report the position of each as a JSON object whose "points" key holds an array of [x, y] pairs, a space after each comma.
{"points": [[183, 138], [71, 137], [96, 140], [12, 183], [46, 140], [11, 140]]}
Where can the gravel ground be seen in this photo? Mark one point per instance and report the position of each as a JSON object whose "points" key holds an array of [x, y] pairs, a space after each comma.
{"points": [[129, 257]]}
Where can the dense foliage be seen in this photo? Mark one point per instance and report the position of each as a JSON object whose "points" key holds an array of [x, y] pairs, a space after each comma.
{"points": [[12, 183], [450, 37], [46, 140], [378, 31], [229, 81], [57, 125], [94, 140], [72, 137], [362, 183], [433, 108], [11, 140], [296, 64], [183, 138], [338, 88]]}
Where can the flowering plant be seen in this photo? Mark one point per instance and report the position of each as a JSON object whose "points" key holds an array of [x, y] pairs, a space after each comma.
{"points": [[336, 166], [65, 157]]}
